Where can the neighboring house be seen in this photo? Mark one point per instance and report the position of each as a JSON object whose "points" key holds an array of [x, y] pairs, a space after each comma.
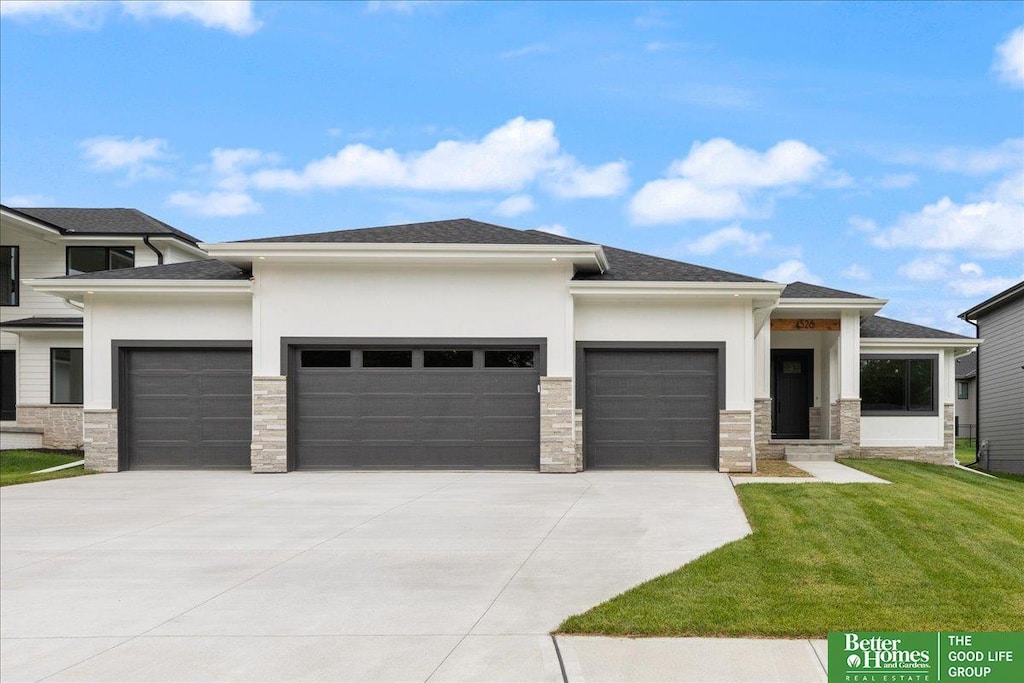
{"points": [[41, 376], [1000, 379], [463, 345], [966, 400]]}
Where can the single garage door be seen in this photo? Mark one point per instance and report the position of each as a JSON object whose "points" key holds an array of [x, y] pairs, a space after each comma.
{"points": [[651, 408], [415, 408], [187, 408]]}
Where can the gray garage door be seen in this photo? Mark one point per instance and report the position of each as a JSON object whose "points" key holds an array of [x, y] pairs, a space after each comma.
{"points": [[187, 408], [651, 408], [415, 408]]}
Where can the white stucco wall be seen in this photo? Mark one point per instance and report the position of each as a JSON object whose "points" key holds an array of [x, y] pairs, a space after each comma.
{"points": [[916, 430], [719, 321], [158, 317], [344, 300]]}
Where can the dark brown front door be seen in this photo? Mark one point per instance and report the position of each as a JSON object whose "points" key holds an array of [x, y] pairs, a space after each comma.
{"points": [[792, 371]]}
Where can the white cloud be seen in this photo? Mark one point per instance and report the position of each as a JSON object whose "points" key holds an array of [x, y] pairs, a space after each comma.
{"points": [[1009, 62], [856, 272], [508, 158], [982, 287], [113, 153], [926, 268], [28, 200], [554, 229], [719, 180], [792, 270], [525, 51], [746, 241], [1005, 156], [234, 16], [897, 181], [515, 205], [403, 6], [992, 225], [971, 269], [215, 203], [228, 165]]}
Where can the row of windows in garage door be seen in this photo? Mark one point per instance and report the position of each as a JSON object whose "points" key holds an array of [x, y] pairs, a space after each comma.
{"points": [[454, 408]]}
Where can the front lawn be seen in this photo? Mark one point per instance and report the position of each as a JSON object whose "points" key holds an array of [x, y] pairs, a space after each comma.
{"points": [[937, 550], [16, 467], [965, 451]]}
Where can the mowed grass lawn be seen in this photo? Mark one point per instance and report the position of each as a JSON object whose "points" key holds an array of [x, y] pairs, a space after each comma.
{"points": [[16, 467], [937, 550]]}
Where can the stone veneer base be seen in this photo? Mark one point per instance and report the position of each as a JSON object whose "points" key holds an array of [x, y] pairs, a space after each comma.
{"points": [[557, 425], [269, 450], [735, 441], [937, 455], [61, 425], [763, 446], [99, 434]]}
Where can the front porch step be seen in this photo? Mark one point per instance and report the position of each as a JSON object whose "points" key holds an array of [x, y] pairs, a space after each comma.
{"points": [[13, 437], [813, 452]]}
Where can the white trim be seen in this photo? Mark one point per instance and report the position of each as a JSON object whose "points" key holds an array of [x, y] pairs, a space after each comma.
{"points": [[860, 304], [30, 222], [47, 330], [75, 288], [873, 342], [769, 291], [243, 253]]}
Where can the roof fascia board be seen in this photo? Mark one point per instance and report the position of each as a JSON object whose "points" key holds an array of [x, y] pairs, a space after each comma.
{"points": [[847, 304], [873, 342], [78, 287], [29, 221], [989, 304], [768, 291], [41, 328]]}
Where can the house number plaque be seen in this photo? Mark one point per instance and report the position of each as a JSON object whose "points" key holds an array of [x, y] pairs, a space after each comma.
{"points": [[805, 325]]}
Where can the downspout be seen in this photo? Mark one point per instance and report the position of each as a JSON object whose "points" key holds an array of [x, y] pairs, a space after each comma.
{"points": [[159, 254], [977, 396], [71, 304]]}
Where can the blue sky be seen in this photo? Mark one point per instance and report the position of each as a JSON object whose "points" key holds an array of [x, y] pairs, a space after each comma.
{"points": [[874, 147]]}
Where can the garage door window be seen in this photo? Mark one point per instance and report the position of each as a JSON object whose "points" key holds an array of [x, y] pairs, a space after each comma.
{"points": [[326, 358], [448, 358], [511, 358], [66, 376], [387, 358]]}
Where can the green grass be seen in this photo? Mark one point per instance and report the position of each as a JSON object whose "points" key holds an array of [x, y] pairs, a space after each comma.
{"points": [[16, 467], [937, 550], [965, 451]]}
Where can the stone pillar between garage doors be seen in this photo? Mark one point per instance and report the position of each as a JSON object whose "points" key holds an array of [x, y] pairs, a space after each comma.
{"points": [[269, 451], [99, 437], [557, 425]]}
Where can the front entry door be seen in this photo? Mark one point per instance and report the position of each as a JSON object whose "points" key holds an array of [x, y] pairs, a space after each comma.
{"points": [[7, 386], [791, 393]]}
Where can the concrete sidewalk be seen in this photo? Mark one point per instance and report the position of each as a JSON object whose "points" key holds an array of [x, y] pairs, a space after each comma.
{"points": [[821, 471], [693, 660]]}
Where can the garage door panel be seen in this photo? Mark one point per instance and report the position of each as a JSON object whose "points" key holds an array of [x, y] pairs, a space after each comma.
{"points": [[651, 408], [187, 408], [404, 418]]}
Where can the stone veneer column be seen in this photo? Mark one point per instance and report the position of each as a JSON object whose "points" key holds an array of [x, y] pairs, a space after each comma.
{"points": [[849, 426], [735, 441], [763, 427], [61, 425], [99, 437], [577, 423], [269, 424], [814, 422], [948, 433], [557, 424]]}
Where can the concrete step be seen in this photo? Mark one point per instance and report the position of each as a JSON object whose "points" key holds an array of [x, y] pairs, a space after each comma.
{"points": [[812, 453], [20, 437]]}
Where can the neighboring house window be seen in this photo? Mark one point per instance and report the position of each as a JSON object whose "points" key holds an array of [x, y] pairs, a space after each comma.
{"points": [[9, 276], [898, 384], [66, 376], [91, 259], [961, 390]]}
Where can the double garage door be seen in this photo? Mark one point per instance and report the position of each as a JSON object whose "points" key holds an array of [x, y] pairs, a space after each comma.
{"points": [[419, 407]]}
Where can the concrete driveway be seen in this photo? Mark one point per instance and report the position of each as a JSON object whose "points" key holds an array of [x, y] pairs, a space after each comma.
{"points": [[395, 576]]}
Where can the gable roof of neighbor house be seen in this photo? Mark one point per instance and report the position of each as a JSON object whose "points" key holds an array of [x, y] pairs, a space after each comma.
{"points": [[967, 366], [79, 221], [207, 269], [1001, 299], [805, 290], [623, 265], [877, 327]]}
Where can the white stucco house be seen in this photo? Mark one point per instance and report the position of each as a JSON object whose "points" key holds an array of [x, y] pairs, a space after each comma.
{"points": [[459, 344], [41, 361]]}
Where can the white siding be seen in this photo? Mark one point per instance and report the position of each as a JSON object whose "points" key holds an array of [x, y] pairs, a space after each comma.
{"points": [[727, 321], [160, 317], [34, 363], [303, 300]]}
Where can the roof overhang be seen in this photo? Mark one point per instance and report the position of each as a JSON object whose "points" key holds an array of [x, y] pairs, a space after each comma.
{"points": [[821, 305], [76, 289], [766, 293], [873, 342], [971, 314], [41, 328], [586, 257]]}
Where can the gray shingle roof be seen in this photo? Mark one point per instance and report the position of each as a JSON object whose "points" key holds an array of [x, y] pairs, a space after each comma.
{"points": [[208, 269], [52, 321], [455, 231], [73, 221], [632, 266], [967, 366], [804, 290], [886, 328]]}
